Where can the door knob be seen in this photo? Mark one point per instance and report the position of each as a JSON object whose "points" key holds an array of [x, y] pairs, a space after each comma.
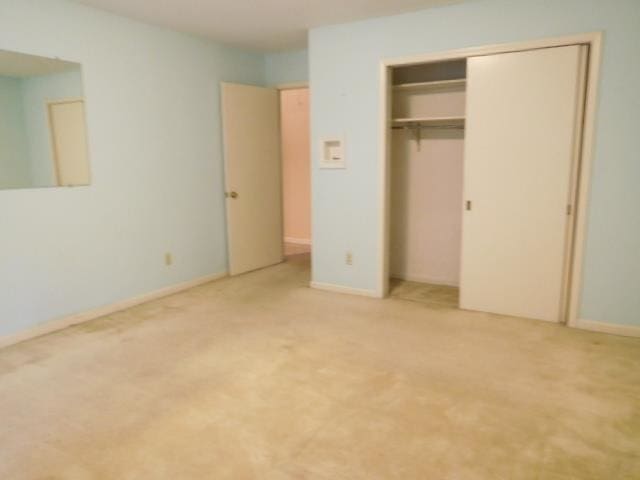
{"points": [[233, 194]]}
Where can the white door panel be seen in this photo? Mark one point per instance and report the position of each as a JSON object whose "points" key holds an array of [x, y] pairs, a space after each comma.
{"points": [[522, 112], [252, 176], [69, 141]]}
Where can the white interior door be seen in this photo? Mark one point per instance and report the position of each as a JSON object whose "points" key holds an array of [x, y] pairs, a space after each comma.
{"points": [[251, 125], [69, 140], [522, 121]]}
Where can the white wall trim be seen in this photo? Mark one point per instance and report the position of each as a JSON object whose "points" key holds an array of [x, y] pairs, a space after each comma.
{"points": [[424, 279], [611, 328], [297, 241], [341, 289], [64, 322]]}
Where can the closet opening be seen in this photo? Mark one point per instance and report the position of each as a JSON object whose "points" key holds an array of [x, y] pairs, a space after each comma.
{"points": [[485, 167], [426, 174]]}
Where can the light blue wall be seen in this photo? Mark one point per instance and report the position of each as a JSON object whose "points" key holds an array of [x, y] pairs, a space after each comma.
{"points": [[286, 67], [152, 100], [36, 92], [14, 165], [344, 73]]}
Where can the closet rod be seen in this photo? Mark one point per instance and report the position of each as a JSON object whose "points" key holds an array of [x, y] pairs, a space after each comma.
{"points": [[437, 127]]}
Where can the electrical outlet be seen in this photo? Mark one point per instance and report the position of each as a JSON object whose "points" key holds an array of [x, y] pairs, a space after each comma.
{"points": [[168, 259], [348, 259]]}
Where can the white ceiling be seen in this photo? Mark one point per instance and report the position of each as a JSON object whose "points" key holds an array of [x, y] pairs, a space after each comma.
{"points": [[258, 24]]}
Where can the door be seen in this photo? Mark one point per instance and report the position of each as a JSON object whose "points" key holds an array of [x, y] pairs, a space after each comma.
{"points": [[69, 141], [522, 122], [250, 117]]}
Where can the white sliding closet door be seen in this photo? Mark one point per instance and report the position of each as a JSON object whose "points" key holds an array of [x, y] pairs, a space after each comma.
{"points": [[522, 121]]}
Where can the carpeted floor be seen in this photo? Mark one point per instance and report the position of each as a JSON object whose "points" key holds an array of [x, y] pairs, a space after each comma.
{"points": [[260, 377], [435, 296]]}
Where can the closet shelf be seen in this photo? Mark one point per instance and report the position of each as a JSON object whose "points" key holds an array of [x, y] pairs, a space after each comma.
{"points": [[429, 122], [461, 82]]}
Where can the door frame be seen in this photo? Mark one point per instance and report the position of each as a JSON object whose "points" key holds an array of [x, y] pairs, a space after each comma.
{"points": [[298, 86], [585, 138]]}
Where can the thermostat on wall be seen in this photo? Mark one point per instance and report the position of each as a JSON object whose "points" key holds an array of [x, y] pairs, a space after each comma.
{"points": [[332, 155]]}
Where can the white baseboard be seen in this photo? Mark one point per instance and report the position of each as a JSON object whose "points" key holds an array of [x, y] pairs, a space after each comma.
{"points": [[64, 322], [424, 279], [612, 328], [341, 289], [297, 241]]}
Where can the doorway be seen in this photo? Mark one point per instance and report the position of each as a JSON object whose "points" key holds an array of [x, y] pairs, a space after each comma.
{"points": [[296, 170], [267, 175], [413, 109]]}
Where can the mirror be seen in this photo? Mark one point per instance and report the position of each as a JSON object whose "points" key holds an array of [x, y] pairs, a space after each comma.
{"points": [[43, 134]]}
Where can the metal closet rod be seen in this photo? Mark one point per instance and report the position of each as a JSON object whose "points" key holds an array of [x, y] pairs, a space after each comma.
{"points": [[435, 127]]}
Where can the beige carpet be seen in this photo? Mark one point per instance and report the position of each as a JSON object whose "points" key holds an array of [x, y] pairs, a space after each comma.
{"points": [[435, 296], [260, 377]]}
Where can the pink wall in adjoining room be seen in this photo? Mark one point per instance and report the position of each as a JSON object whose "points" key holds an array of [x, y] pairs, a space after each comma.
{"points": [[296, 164]]}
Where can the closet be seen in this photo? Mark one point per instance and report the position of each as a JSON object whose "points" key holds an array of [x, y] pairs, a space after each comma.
{"points": [[428, 120], [483, 175]]}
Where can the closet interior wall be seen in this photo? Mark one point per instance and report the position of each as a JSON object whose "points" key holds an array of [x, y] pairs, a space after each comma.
{"points": [[427, 158]]}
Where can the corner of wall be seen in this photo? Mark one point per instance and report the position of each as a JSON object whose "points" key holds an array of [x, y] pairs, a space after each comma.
{"points": [[286, 67]]}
